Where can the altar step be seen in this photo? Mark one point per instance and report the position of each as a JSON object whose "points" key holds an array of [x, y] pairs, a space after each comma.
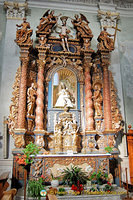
{"points": [[20, 196]]}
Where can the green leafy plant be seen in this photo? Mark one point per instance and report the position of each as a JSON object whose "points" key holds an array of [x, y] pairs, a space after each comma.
{"points": [[108, 149], [99, 177], [61, 191], [74, 175], [55, 177], [34, 188], [30, 152]]}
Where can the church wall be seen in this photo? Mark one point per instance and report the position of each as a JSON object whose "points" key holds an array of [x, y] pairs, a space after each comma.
{"points": [[126, 60], [2, 36], [9, 59]]}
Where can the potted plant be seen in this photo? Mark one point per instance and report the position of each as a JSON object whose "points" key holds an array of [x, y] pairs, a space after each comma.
{"points": [[34, 188], [55, 181], [75, 177], [61, 191], [26, 159], [98, 178]]}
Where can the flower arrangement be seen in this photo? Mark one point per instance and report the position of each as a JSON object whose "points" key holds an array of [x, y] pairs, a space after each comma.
{"points": [[108, 187], [77, 188], [30, 152], [20, 159]]}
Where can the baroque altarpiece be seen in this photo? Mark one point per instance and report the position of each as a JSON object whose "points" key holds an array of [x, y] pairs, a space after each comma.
{"points": [[64, 96]]}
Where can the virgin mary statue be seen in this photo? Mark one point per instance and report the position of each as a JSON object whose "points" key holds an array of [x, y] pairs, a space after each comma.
{"points": [[64, 99]]}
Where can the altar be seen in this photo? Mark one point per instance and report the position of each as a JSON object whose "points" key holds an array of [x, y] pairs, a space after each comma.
{"points": [[55, 164], [64, 97]]}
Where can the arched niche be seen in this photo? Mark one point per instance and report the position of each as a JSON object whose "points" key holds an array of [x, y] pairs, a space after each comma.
{"points": [[62, 79]]}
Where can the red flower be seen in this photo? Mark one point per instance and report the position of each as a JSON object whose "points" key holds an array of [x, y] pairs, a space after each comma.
{"points": [[77, 188], [20, 159], [74, 188], [109, 183], [42, 176]]}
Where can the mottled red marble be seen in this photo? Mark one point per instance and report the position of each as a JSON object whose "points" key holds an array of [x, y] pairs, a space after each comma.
{"points": [[88, 99], [107, 99], [40, 97], [22, 94]]}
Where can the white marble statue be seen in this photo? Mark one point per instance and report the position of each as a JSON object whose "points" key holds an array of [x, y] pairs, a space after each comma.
{"points": [[64, 99]]}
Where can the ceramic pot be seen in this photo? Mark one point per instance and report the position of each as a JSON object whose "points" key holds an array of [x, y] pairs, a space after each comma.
{"points": [[55, 183]]}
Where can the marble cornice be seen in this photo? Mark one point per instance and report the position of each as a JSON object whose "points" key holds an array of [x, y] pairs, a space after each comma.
{"points": [[89, 6]]}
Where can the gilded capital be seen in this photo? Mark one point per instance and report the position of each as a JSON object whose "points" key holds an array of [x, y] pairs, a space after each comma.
{"points": [[15, 10]]}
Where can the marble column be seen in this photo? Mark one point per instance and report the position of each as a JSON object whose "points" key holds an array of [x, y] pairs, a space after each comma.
{"points": [[106, 98], [40, 97], [88, 97], [39, 118], [21, 121], [22, 94], [21, 125]]}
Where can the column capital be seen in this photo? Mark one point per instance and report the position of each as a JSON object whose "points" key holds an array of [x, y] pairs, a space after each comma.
{"points": [[42, 51], [15, 10], [107, 18]]}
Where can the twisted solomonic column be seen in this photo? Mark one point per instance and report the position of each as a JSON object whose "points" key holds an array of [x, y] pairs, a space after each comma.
{"points": [[88, 98], [106, 98], [22, 94], [20, 130], [39, 124]]}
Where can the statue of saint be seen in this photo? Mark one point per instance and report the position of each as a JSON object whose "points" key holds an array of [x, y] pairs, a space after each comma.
{"points": [[98, 100], [23, 34], [64, 99], [31, 99], [105, 42]]}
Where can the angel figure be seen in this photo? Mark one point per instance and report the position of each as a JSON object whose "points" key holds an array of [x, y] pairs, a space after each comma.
{"points": [[47, 18], [81, 24]]}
